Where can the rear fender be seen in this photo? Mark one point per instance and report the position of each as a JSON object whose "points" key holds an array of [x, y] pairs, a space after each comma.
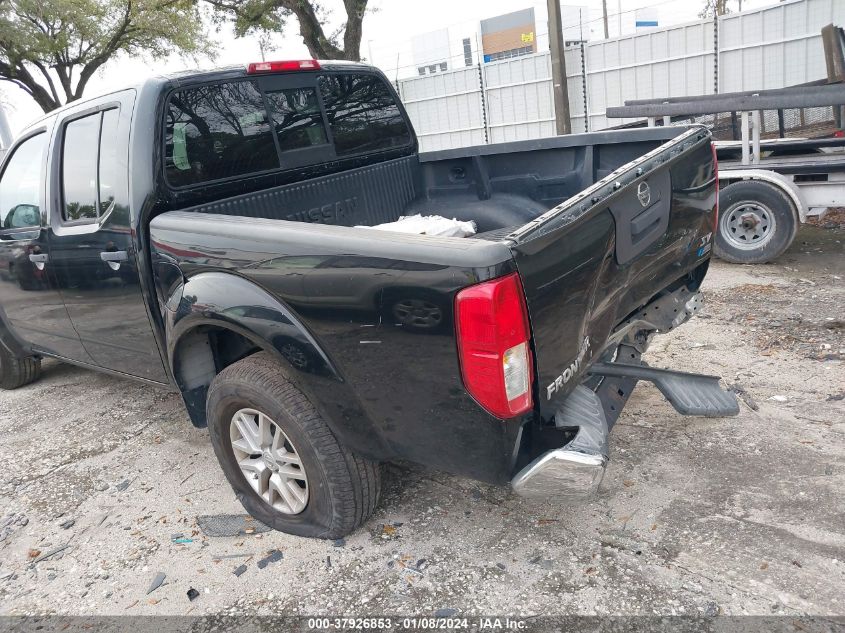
{"points": [[222, 300], [215, 319]]}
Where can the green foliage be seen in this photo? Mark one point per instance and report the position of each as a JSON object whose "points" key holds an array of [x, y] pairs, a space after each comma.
{"points": [[268, 17], [252, 17], [51, 48]]}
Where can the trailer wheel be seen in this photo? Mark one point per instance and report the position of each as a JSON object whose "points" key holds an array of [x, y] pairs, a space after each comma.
{"points": [[16, 372], [282, 460], [757, 222]]}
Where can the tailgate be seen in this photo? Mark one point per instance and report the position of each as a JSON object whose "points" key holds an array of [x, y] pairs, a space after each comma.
{"points": [[597, 257]]}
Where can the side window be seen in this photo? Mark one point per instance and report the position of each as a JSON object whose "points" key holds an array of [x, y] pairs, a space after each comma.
{"points": [[217, 131], [362, 114], [297, 118], [92, 168], [79, 168], [21, 184], [112, 168]]}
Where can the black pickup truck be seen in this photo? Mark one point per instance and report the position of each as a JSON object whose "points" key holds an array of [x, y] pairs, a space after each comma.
{"points": [[210, 231]]}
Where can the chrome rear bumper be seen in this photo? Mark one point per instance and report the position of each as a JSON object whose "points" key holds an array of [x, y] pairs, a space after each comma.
{"points": [[561, 474], [573, 471]]}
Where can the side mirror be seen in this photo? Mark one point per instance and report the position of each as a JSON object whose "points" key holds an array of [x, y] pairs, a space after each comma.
{"points": [[23, 216]]}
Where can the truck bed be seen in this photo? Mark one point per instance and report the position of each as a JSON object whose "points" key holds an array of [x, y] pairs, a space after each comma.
{"points": [[497, 186]]}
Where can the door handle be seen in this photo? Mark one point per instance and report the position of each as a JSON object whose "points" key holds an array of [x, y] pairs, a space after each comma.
{"points": [[113, 258], [39, 259]]}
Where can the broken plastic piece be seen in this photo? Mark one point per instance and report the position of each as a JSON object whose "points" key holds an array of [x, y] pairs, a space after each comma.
{"points": [[156, 583], [272, 557]]}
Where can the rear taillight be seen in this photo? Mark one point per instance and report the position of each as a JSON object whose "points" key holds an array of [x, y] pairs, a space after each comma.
{"points": [[282, 66], [716, 177], [493, 333]]}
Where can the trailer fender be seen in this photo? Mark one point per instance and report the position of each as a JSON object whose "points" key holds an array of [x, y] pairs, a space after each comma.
{"points": [[778, 180]]}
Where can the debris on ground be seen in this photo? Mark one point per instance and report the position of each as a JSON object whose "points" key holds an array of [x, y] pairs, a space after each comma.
{"points": [[387, 532], [180, 539], [711, 610], [272, 557], [157, 581], [193, 594], [11, 523], [67, 524], [239, 570], [743, 395], [51, 553], [230, 525], [445, 613], [339, 542], [123, 485]]}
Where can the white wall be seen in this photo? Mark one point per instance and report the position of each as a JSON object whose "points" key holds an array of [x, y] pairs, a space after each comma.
{"points": [[772, 47]]}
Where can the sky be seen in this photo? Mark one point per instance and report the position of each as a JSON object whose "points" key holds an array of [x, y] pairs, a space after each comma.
{"points": [[388, 30]]}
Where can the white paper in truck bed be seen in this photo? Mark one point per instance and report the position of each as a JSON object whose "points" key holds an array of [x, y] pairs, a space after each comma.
{"points": [[428, 225]]}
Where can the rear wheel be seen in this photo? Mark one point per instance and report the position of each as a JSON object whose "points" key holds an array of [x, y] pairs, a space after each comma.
{"points": [[757, 222], [281, 458], [16, 372]]}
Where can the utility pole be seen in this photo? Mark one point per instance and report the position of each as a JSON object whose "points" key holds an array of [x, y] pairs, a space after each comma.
{"points": [[559, 85], [604, 15]]}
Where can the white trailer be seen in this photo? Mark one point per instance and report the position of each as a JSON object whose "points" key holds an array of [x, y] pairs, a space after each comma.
{"points": [[767, 187]]}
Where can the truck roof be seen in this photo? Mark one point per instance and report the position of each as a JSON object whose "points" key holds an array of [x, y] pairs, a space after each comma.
{"points": [[192, 76]]}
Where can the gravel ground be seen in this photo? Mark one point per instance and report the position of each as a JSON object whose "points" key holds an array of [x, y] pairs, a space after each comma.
{"points": [[695, 516]]}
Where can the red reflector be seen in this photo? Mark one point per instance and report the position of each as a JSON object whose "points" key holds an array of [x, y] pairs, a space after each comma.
{"points": [[275, 67], [716, 176], [493, 332]]}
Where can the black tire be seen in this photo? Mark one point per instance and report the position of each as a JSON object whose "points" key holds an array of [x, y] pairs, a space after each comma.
{"points": [[16, 372], [771, 204], [343, 488]]}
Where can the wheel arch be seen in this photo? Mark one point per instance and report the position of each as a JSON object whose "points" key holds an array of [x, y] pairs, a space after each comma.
{"points": [[221, 318]]}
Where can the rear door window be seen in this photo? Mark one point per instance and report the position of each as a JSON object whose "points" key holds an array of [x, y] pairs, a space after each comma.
{"points": [[217, 131], [362, 114], [92, 170], [79, 168]]}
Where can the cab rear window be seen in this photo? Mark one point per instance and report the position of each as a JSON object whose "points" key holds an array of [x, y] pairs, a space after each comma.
{"points": [[362, 114], [216, 132], [224, 130]]}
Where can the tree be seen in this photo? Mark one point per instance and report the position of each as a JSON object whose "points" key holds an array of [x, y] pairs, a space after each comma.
{"points": [[270, 16], [719, 7], [52, 48]]}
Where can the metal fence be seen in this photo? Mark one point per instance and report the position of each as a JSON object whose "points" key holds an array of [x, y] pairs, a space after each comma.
{"points": [[771, 47], [508, 100]]}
